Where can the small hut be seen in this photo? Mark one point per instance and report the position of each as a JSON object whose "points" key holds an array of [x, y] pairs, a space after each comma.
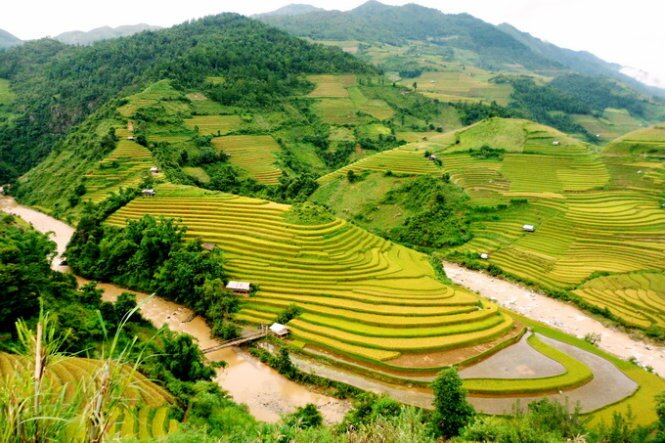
{"points": [[130, 137], [529, 228], [556, 143], [148, 192], [484, 255], [279, 329], [239, 287], [154, 170]]}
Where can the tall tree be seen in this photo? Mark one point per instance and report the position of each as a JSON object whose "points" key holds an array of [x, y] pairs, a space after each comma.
{"points": [[451, 409]]}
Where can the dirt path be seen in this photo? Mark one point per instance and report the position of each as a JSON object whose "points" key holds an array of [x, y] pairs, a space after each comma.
{"points": [[556, 313]]}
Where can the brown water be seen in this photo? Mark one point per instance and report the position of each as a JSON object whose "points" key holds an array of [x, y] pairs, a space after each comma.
{"points": [[267, 394]]}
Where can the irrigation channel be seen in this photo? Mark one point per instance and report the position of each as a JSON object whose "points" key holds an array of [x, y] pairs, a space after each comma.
{"points": [[269, 395]]}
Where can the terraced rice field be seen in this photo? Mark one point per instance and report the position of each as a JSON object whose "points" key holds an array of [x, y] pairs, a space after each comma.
{"points": [[471, 85], [354, 287], [125, 167], [331, 86], [612, 124], [593, 213], [215, 125], [638, 298], [399, 161], [256, 154], [146, 414], [339, 100], [160, 93]]}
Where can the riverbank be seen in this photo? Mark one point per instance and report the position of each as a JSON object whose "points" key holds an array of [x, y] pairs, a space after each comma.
{"points": [[267, 394], [558, 314]]}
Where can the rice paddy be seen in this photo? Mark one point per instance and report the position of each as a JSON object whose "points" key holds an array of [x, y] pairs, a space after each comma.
{"points": [[469, 85], [593, 213], [367, 303], [354, 287], [215, 125], [256, 154], [339, 100], [125, 166], [144, 415]]}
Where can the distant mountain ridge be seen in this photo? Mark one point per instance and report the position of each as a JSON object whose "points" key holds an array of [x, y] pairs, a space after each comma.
{"points": [[292, 9], [8, 40], [375, 22], [103, 33], [496, 46]]}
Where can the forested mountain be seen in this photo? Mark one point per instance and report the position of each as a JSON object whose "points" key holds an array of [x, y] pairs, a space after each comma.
{"points": [[459, 58], [57, 86], [582, 62], [8, 40], [102, 33], [376, 22]]}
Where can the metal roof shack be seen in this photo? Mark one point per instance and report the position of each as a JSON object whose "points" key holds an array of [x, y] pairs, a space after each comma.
{"points": [[484, 255], [154, 169], [279, 329], [149, 192], [529, 228], [239, 287]]}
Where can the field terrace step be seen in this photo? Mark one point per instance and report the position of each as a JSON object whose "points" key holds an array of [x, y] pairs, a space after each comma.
{"points": [[347, 280]]}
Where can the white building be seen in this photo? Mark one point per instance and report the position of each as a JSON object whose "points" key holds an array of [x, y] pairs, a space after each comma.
{"points": [[239, 287], [279, 329]]}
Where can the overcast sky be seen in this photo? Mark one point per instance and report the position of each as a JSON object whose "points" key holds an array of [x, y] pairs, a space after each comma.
{"points": [[626, 32]]}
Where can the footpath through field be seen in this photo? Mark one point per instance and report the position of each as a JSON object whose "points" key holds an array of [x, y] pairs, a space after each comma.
{"points": [[556, 313]]}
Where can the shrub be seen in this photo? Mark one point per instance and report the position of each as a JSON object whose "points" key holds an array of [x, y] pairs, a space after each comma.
{"points": [[288, 314], [451, 409]]}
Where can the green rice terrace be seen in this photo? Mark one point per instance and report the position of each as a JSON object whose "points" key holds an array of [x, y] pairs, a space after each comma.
{"points": [[595, 213], [375, 307], [144, 415]]}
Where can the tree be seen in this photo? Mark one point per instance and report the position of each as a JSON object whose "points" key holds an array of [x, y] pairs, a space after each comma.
{"points": [[660, 411], [451, 409]]}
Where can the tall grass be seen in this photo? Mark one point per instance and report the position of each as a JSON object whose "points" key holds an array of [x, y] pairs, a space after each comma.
{"points": [[37, 407]]}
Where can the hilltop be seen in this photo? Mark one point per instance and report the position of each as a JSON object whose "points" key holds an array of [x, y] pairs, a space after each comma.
{"points": [[102, 33], [8, 40]]}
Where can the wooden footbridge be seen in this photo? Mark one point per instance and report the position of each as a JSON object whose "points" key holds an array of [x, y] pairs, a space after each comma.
{"points": [[238, 341]]}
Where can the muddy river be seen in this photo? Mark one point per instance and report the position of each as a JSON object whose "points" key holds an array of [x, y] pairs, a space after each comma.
{"points": [[266, 393]]}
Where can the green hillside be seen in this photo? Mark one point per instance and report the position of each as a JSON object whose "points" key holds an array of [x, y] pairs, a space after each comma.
{"points": [[457, 58], [259, 64], [595, 213]]}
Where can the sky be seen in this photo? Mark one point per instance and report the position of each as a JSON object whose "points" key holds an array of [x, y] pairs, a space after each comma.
{"points": [[630, 33]]}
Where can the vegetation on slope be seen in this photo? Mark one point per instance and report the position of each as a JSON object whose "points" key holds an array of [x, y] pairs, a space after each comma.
{"points": [[583, 204], [57, 85]]}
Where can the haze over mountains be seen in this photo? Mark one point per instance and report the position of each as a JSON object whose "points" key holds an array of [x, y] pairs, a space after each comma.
{"points": [[495, 47], [8, 40]]}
